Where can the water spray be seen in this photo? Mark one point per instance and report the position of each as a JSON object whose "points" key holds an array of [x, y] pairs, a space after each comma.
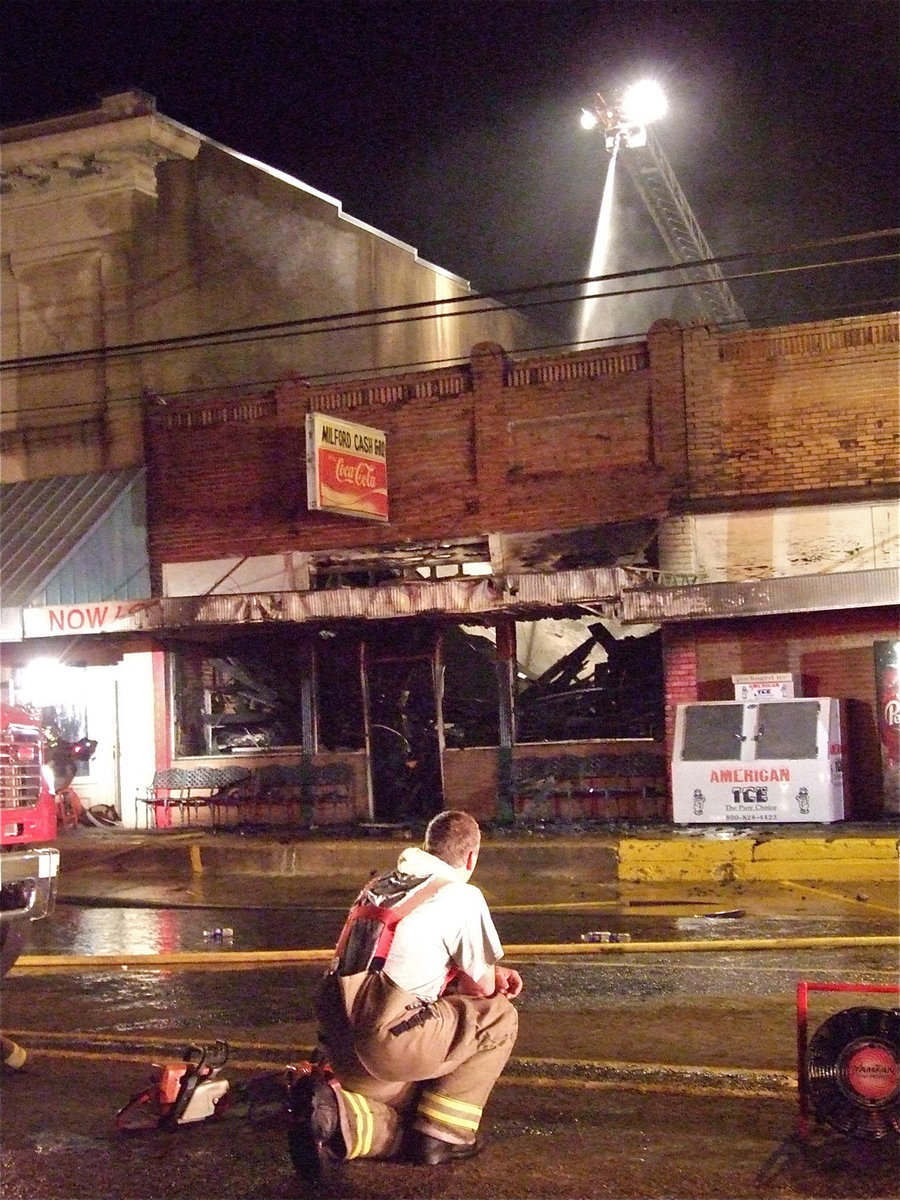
{"points": [[624, 121], [590, 324]]}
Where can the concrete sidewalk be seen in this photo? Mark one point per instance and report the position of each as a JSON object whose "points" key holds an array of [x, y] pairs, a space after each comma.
{"points": [[515, 866]]}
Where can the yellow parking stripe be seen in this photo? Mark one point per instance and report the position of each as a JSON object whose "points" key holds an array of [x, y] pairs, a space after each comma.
{"points": [[855, 901]]}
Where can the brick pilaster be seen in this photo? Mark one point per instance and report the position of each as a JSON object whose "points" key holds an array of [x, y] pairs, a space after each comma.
{"points": [[488, 429]]}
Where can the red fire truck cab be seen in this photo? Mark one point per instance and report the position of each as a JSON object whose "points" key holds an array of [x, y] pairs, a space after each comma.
{"points": [[28, 866]]}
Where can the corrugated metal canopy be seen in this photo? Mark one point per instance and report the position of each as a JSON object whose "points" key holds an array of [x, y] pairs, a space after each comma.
{"points": [[74, 538], [762, 597], [472, 598]]}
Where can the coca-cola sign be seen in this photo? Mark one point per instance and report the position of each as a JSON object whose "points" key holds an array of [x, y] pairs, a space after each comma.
{"points": [[887, 697], [346, 468]]}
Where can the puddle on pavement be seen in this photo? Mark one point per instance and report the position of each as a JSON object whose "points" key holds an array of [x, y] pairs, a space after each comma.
{"points": [[77, 930], [93, 930]]}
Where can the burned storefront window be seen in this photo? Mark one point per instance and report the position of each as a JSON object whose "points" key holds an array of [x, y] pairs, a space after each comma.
{"points": [[239, 697], [470, 697], [578, 680], [339, 691]]}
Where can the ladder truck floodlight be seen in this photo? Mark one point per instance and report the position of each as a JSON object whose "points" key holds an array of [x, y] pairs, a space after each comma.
{"points": [[625, 122]]}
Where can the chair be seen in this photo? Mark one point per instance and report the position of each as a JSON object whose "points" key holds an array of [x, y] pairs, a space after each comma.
{"points": [[282, 786]]}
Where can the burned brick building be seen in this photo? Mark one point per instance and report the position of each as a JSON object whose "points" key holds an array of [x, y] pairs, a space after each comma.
{"points": [[573, 544]]}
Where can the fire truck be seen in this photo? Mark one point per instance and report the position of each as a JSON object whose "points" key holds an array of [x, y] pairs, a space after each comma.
{"points": [[29, 867]]}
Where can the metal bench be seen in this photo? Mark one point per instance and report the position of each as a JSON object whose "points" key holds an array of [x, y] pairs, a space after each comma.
{"points": [[303, 793], [188, 789], [234, 788], [332, 791], [604, 786]]}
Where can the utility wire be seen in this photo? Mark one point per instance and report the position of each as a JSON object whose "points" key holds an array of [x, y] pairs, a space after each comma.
{"points": [[339, 322], [359, 374], [250, 386], [90, 407], [278, 334]]}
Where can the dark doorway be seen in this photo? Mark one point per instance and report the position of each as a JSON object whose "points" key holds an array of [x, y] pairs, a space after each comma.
{"points": [[404, 742]]}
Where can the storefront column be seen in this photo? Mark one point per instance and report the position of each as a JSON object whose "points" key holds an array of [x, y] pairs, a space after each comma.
{"points": [[506, 683], [680, 673], [309, 713]]}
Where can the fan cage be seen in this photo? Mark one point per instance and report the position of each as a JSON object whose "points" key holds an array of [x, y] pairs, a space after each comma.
{"points": [[847, 1074]]}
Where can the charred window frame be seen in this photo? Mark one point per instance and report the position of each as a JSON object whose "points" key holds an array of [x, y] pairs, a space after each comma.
{"points": [[238, 697], [470, 699], [601, 687]]}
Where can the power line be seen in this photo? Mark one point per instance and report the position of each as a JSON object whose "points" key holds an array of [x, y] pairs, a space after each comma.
{"points": [[430, 309], [278, 334], [875, 304]]}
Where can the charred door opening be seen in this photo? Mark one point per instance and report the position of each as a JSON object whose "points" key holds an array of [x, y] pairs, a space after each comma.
{"points": [[403, 728]]}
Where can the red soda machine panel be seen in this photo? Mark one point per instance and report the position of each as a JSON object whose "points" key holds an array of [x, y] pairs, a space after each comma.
{"points": [[887, 686], [759, 761]]}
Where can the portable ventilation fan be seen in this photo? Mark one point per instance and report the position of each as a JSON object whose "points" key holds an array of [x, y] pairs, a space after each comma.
{"points": [[853, 1072]]}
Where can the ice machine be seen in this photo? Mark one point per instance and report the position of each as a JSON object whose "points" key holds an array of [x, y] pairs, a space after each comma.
{"points": [[758, 761]]}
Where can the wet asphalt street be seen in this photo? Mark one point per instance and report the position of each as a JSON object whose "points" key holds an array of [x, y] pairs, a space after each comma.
{"points": [[635, 1074], [546, 1140], [81, 929]]}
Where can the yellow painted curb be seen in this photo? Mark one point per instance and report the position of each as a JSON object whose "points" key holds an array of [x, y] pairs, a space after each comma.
{"points": [[646, 861], [849, 860], [672, 850], [811, 849]]}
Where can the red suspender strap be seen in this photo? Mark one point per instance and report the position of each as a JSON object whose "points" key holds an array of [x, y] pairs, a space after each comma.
{"points": [[388, 917]]}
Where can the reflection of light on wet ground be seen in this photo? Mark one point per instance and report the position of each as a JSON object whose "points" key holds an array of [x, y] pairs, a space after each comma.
{"points": [[93, 930], [113, 931]]}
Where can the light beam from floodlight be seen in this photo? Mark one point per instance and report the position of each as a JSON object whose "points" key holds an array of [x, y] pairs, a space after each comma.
{"points": [[643, 102]]}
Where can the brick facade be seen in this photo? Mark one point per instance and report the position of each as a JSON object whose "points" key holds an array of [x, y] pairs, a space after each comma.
{"points": [[690, 417], [570, 441], [792, 410], [541, 444]]}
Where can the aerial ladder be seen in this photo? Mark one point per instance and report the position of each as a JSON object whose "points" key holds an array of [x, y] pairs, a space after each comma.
{"points": [[650, 171]]}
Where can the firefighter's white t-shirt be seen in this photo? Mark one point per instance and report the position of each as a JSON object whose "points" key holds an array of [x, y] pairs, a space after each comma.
{"points": [[454, 926]]}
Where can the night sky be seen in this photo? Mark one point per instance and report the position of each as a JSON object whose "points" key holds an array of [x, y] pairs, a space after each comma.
{"points": [[453, 124]]}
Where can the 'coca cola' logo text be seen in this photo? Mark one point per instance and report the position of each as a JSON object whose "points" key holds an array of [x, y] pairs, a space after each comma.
{"points": [[357, 474]]}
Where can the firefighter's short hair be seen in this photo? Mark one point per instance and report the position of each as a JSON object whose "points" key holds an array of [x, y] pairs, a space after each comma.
{"points": [[452, 835]]}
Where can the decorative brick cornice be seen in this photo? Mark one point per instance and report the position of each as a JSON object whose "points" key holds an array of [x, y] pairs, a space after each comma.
{"points": [[121, 155], [836, 336]]}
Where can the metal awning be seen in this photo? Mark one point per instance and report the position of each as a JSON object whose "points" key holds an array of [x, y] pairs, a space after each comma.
{"points": [[74, 539], [761, 597], [467, 598], [606, 591]]}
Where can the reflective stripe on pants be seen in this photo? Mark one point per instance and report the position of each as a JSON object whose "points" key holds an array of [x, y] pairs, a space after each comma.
{"points": [[434, 1074]]}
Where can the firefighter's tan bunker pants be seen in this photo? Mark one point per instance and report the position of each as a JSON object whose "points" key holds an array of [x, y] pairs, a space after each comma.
{"points": [[393, 1055]]}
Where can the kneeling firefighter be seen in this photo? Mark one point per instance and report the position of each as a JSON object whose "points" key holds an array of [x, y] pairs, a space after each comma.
{"points": [[416, 1022]]}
